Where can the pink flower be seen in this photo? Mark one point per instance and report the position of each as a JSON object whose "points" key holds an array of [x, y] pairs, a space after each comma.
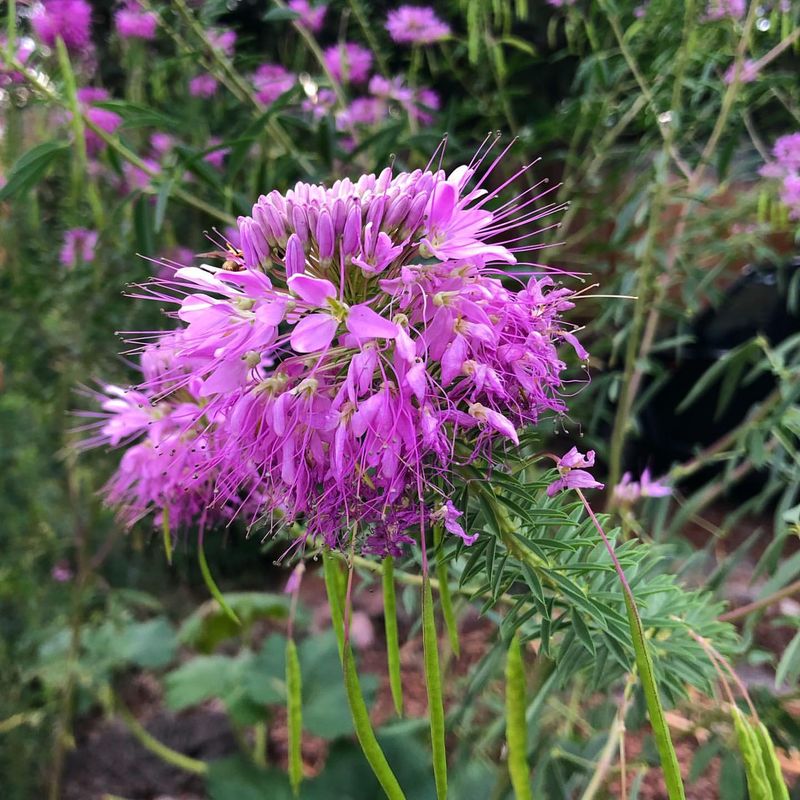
{"points": [[786, 151], [224, 40], [628, 491], [271, 81], [325, 371], [69, 19], [416, 25], [204, 86], [311, 16], [573, 475], [107, 120], [217, 156], [748, 72], [62, 572], [24, 49], [348, 62], [725, 9], [295, 579], [790, 195], [78, 247], [133, 22]]}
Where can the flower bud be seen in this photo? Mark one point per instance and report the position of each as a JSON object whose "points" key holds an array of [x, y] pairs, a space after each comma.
{"points": [[325, 240]]}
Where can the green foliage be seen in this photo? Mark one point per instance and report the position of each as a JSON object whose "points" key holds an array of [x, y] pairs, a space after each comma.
{"points": [[658, 157]]}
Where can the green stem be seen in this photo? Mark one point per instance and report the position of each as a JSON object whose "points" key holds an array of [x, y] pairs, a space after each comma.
{"points": [[355, 698], [211, 585], [644, 664], [392, 638], [433, 683], [165, 753]]}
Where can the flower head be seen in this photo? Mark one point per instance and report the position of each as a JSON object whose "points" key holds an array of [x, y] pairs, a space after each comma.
{"points": [[348, 62], [69, 19], [133, 22], [725, 9], [572, 469], [351, 337], [78, 247], [224, 40], [416, 25], [628, 491], [271, 81], [311, 16], [103, 118], [748, 72], [203, 85]]}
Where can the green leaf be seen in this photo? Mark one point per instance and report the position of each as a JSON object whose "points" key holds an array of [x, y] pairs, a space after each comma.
{"points": [[516, 727], [30, 168], [238, 778], [209, 625], [150, 644], [280, 15], [197, 680], [788, 670]]}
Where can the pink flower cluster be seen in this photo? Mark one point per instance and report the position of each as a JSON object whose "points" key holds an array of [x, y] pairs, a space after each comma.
{"points": [[725, 9], [133, 22], [786, 168], [363, 340], [104, 119], [416, 25], [78, 247], [311, 16], [348, 62], [69, 19]]}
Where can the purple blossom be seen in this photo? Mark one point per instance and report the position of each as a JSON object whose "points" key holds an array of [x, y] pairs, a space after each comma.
{"points": [[561, 3], [69, 19], [295, 579], [416, 25], [725, 9], [311, 16], [103, 118], [628, 491], [24, 49], [271, 81], [62, 572], [786, 151], [203, 85], [348, 62], [162, 143], [572, 471], [748, 72], [323, 373], [133, 22], [224, 40], [786, 168], [216, 157], [78, 247]]}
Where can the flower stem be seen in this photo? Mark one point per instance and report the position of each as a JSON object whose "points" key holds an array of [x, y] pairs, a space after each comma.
{"points": [[355, 698], [644, 664], [392, 639], [165, 753]]}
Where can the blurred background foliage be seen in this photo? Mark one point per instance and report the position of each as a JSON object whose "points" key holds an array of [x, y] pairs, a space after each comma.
{"points": [[660, 156]]}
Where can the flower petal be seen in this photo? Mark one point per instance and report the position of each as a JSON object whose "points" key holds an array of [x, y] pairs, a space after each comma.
{"points": [[313, 333], [364, 323], [314, 291]]}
